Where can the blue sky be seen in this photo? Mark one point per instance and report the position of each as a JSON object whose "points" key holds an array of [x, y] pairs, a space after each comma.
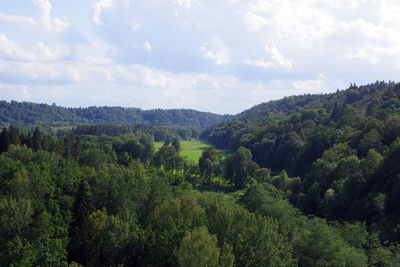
{"points": [[221, 56]]}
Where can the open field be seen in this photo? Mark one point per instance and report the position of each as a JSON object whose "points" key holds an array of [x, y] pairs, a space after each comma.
{"points": [[192, 149]]}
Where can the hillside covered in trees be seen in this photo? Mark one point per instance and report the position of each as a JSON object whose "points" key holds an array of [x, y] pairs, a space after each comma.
{"points": [[312, 181], [114, 201], [334, 155], [25, 113]]}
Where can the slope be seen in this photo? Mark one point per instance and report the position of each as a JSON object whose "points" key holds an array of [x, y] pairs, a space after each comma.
{"points": [[25, 113], [344, 147]]}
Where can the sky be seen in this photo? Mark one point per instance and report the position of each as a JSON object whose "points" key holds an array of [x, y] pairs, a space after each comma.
{"points": [[222, 56]]}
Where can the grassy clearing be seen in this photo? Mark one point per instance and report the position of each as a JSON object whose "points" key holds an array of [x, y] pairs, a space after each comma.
{"points": [[192, 149], [157, 145]]}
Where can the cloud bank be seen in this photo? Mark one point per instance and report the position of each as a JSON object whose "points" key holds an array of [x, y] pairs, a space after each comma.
{"points": [[220, 56]]}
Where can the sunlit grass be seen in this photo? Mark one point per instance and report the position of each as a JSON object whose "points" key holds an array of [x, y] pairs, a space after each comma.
{"points": [[193, 149]]}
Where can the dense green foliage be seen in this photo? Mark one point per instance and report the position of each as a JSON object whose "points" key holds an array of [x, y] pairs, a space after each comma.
{"points": [[104, 201], [109, 198], [25, 113], [160, 133], [342, 148]]}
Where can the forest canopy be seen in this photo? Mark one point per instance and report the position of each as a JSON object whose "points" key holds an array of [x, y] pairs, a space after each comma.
{"points": [[311, 181], [26, 113]]}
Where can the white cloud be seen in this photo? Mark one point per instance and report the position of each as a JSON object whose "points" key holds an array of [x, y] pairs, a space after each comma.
{"points": [[14, 92], [9, 50], [98, 7], [217, 51], [147, 46], [254, 22], [362, 54], [45, 20], [185, 3], [279, 60], [145, 87], [38, 94], [200, 58], [44, 7], [276, 59], [259, 63], [303, 24], [21, 20], [319, 85]]}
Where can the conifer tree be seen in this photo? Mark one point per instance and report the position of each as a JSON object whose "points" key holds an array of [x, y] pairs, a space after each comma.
{"points": [[83, 207], [36, 140], [4, 140]]}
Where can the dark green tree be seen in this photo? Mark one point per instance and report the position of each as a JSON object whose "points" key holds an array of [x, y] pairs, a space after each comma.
{"points": [[147, 152], [163, 154], [36, 140], [4, 140], [370, 140], [240, 167], [176, 144], [209, 163], [124, 159], [79, 241], [14, 136]]}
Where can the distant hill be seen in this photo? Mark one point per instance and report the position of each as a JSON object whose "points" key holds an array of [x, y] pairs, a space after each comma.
{"points": [[333, 155], [278, 132], [26, 113], [366, 98]]}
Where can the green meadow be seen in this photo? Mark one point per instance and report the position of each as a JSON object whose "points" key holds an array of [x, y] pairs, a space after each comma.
{"points": [[192, 149]]}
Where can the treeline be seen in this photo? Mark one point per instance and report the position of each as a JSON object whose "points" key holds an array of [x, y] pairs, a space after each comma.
{"points": [[342, 147], [160, 133], [25, 113], [108, 201]]}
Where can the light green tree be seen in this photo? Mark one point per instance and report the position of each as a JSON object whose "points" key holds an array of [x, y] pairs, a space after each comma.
{"points": [[199, 249]]}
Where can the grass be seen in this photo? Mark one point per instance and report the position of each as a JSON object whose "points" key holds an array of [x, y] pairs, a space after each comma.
{"points": [[192, 149]]}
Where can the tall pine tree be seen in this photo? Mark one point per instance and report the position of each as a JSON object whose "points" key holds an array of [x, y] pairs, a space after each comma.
{"points": [[83, 207], [4, 140]]}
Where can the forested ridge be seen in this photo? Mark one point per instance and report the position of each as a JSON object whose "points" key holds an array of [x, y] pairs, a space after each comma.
{"points": [[114, 201], [312, 181], [26, 113], [334, 155]]}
